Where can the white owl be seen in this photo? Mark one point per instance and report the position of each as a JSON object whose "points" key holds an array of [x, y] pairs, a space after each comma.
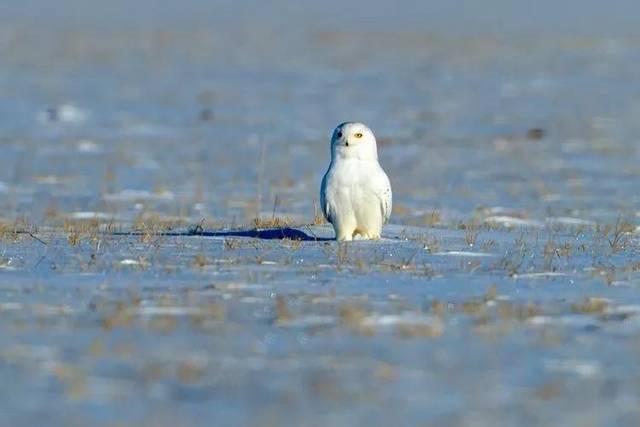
{"points": [[355, 195]]}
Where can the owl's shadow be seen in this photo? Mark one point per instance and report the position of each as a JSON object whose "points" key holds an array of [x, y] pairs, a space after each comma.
{"points": [[283, 233], [280, 233]]}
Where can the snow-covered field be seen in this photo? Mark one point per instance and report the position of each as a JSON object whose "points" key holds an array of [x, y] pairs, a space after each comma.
{"points": [[138, 147]]}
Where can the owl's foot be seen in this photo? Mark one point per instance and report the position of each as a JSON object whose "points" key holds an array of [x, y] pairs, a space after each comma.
{"points": [[344, 238], [361, 235]]}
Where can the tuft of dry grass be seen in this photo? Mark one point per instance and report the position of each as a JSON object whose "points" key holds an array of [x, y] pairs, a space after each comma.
{"points": [[471, 230], [591, 305], [553, 250], [292, 244], [120, 317], [81, 230], [342, 254], [434, 330], [617, 235], [432, 218], [353, 316], [283, 314], [273, 222], [513, 261], [152, 225], [429, 243], [438, 308], [400, 209], [231, 244], [190, 371], [605, 272], [8, 232], [318, 216], [201, 261]]}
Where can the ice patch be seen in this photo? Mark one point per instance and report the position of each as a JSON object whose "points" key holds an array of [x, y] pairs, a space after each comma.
{"points": [[134, 195], [412, 319], [237, 286], [167, 311], [11, 306], [309, 321], [54, 309], [571, 320], [464, 254], [88, 147], [147, 129], [582, 368], [513, 221], [5, 264], [253, 300], [48, 179], [40, 353], [510, 221], [629, 309], [540, 274], [64, 113], [90, 215], [569, 221], [500, 210]]}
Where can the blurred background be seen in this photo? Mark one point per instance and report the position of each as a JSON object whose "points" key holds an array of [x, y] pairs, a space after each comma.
{"points": [[173, 112], [213, 109]]}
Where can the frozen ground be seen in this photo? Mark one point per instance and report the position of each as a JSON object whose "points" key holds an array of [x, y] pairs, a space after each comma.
{"points": [[139, 143]]}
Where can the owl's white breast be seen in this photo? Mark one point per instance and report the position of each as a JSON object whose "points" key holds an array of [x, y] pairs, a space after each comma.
{"points": [[352, 190]]}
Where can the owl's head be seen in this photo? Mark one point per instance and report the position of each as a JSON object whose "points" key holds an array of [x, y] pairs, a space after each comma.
{"points": [[354, 140]]}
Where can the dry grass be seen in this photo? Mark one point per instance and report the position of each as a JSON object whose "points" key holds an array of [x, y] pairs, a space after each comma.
{"points": [[420, 330], [202, 261], [121, 316], [617, 235], [352, 317], [591, 305], [81, 230], [432, 218], [514, 260], [342, 254], [273, 222], [431, 244], [553, 250], [318, 216], [283, 313], [8, 232], [471, 230], [152, 225], [605, 272], [231, 244], [400, 209]]}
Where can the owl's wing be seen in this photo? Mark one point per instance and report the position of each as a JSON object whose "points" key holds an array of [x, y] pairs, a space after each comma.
{"points": [[386, 203], [324, 203], [383, 190]]}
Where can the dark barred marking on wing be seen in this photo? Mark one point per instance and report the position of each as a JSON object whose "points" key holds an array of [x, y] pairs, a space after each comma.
{"points": [[385, 204]]}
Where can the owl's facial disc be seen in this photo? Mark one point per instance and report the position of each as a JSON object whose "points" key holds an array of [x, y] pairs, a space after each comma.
{"points": [[349, 135], [351, 139]]}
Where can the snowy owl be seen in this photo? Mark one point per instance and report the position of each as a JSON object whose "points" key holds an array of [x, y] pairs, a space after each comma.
{"points": [[355, 195]]}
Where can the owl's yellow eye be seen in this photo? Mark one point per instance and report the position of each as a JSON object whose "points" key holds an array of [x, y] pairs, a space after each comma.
{"points": [[358, 135]]}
